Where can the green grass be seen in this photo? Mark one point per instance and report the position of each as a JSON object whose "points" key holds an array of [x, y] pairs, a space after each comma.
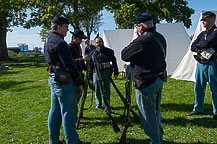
{"points": [[25, 59], [25, 104]]}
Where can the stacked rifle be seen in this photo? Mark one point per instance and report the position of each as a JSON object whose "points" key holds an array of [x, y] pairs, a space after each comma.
{"points": [[126, 101]]}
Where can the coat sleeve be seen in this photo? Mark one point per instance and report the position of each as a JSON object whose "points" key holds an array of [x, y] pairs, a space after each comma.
{"points": [[114, 63], [195, 44], [210, 41], [134, 48]]}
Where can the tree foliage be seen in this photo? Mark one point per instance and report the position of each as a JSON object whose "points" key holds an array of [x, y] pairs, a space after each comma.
{"points": [[12, 13], [82, 14], [168, 10], [92, 24]]}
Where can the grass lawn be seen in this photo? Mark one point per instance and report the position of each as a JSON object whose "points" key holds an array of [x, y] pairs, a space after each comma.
{"points": [[25, 104]]}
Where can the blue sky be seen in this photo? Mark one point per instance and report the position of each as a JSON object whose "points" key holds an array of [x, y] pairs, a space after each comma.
{"points": [[31, 37]]}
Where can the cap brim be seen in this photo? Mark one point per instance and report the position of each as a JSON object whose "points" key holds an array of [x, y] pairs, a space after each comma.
{"points": [[135, 21], [84, 36], [202, 19]]}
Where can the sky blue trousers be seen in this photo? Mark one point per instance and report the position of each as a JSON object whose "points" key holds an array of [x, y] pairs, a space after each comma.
{"points": [[205, 73], [107, 84], [64, 99], [150, 120], [127, 71]]}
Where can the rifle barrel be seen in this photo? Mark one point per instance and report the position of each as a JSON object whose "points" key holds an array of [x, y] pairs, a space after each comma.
{"points": [[123, 99], [102, 91], [83, 101]]}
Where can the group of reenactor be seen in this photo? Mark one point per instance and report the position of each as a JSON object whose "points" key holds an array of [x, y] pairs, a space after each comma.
{"points": [[146, 55]]}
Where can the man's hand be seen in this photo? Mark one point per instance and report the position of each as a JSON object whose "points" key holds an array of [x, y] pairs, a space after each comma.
{"points": [[116, 76], [80, 90], [198, 50], [125, 65], [86, 57]]}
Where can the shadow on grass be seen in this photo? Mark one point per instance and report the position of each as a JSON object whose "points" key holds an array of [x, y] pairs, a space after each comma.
{"points": [[7, 72], [30, 64], [135, 141], [122, 107], [169, 142], [10, 84], [184, 107], [181, 121], [105, 121], [146, 141], [26, 88]]}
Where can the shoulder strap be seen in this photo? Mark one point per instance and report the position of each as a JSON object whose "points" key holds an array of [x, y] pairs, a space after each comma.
{"points": [[159, 42], [161, 45], [47, 45]]}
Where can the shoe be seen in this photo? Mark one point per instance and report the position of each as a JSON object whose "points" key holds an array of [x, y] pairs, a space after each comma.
{"points": [[84, 142], [215, 116], [194, 113], [61, 141]]}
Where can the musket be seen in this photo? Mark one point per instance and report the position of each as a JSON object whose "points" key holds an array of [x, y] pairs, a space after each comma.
{"points": [[83, 101], [128, 87], [102, 91], [123, 99], [148, 101], [83, 98]]}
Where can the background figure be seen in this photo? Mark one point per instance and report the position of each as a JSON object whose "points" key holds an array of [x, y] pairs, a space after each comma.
{"points": [[64, 91], [127, 70], [205, 44], [146, 55], [104, 56], [76, 51], [89, 47]]}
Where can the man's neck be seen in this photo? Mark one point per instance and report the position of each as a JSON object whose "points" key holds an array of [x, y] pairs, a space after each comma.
{"points": [[73, 42], [60, 35], [210, 27], [100, 48]]}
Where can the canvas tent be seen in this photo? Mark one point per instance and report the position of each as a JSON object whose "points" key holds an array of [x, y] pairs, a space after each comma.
{"points": [[175, 34], [187, 67]]}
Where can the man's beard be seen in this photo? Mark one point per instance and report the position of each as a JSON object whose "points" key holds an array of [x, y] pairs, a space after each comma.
{"points": [[98, 48]]}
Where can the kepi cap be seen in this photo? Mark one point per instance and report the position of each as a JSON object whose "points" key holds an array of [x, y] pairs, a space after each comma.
{"points": [[59, 20], [142, 17], [207, 14], [79, 33]]}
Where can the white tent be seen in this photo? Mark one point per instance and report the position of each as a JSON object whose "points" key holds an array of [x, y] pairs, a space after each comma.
{"points": [[117, 40], [187, 67], [175, 34]]}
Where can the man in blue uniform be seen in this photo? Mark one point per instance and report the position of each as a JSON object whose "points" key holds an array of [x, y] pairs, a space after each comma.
{"points": [[104, 56], [89, 47], [64, 82], [206, 46], [146, 55]]}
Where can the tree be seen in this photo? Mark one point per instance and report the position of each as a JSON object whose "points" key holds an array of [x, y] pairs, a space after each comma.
{"points": [[169, 10], [91, 18], [12, 13], [82, 14], [92, 24]]}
